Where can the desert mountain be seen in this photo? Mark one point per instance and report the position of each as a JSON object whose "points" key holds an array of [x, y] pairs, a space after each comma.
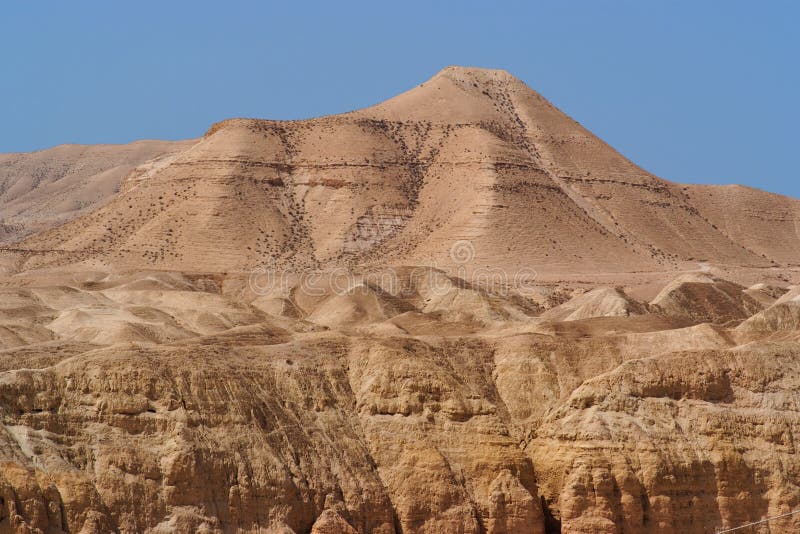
{"points": [[471, 154], [295, 327], [39, 190]]}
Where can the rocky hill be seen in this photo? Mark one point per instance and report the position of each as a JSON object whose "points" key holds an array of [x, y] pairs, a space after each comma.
{"points": [[470, 154]]}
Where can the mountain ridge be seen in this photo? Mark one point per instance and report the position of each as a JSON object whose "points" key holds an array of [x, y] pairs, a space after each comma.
{"points": [[470, 154]]}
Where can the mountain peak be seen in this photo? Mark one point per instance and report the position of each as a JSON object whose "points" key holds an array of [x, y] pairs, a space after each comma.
{"points": [[476, 72], [478, 78], [455, 94]]}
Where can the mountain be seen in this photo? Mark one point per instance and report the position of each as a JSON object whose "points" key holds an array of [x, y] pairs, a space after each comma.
{"points": [[456, 311], [471, 154]]}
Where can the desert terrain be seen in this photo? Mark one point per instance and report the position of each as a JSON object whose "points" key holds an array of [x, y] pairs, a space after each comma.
{"points": [[456, 311]]}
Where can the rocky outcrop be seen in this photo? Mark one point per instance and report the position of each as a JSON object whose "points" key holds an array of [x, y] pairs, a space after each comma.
{"points": [[685, 442]]}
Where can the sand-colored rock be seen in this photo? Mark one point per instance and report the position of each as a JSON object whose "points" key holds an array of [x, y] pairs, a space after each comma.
{"points": [[330, 522], [780, 320], [319, 326], [600, 302], [270, 423]]}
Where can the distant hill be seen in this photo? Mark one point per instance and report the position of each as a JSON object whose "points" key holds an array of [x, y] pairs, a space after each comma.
{"points": [[39, 190]]}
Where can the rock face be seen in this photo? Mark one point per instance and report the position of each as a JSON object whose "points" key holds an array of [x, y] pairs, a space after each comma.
{"points": [[682, 472], [321, 326]]}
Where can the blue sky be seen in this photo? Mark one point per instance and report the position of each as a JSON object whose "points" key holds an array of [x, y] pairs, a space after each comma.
{"points": [[694, 91]]}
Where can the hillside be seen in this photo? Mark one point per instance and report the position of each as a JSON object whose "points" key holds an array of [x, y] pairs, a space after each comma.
{"points": [[39, 190]]}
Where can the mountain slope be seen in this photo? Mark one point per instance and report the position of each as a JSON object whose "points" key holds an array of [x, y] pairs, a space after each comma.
{"points": [[42, 189]]}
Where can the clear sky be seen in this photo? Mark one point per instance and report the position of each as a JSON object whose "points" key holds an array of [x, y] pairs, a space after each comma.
{"points": [[694, 91]]}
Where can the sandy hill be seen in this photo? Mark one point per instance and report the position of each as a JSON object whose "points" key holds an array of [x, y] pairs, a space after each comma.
{"points": [[471, 154], [39, 190]]}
